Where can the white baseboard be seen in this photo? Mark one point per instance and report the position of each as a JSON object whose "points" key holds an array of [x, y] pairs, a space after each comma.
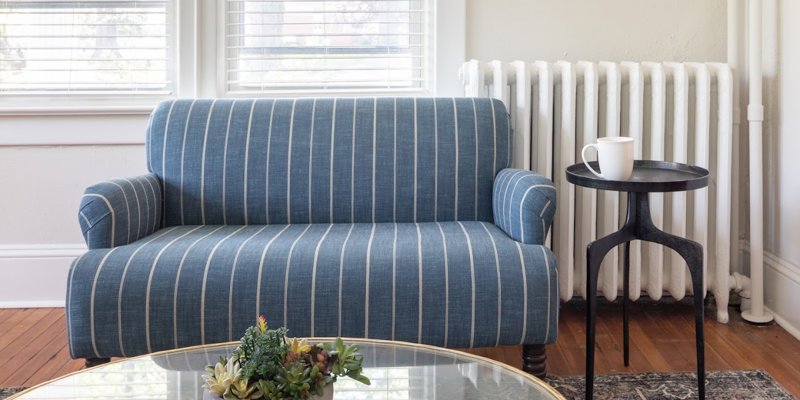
{"points": [[782, 292], [35, 275]]}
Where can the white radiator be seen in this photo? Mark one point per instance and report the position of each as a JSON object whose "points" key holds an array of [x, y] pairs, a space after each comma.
{"points": [[676, 111]]}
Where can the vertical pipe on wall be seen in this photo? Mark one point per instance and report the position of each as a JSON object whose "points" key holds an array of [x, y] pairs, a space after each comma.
{"points": [[734, 26], [755, 116]]}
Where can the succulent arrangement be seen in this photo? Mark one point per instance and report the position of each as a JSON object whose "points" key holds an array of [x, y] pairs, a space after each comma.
{"points": [[268, 365]]}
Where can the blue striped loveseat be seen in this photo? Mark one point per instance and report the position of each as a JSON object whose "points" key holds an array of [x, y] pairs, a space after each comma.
{"points": [[391, 218]]}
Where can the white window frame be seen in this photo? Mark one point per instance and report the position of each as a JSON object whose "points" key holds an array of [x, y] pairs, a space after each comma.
{"points": [[200, 72]]}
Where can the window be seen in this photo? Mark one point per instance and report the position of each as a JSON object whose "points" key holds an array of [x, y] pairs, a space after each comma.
{"points": [[326, 45], [98, 47]]}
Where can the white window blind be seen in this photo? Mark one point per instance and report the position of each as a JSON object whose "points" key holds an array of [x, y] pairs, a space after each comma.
{"points": [[318, 45], [86, 47]]}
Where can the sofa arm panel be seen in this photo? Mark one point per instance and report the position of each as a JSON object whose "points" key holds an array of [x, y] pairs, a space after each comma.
{"points": [[120, 211], [524, 205]]}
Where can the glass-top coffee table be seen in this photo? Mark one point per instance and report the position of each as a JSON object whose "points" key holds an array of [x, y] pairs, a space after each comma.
{"points": [[398, 370]]}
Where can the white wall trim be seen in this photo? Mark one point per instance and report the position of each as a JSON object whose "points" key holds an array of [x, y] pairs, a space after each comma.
{"points": [[33, 304], [35, 275], [41, 250], [781, 290], [785, 324]]}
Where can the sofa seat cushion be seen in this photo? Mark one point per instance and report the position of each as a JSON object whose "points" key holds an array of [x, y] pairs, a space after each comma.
{"points": [[453, 284]]}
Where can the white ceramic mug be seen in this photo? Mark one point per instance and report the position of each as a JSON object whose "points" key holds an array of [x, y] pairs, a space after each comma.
{"points": [[615, 156]]}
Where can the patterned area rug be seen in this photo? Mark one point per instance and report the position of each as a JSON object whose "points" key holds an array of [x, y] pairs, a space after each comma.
{"points": [[5, 392], [755, 384]]}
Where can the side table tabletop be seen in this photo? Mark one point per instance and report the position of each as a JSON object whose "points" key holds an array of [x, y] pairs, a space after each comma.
{"points": [[648, 176]]}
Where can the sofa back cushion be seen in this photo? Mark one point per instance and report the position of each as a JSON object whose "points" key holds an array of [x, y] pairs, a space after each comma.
{"points": [[290, 161]]}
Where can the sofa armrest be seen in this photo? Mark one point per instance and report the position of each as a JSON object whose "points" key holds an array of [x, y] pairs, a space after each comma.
{"points": [[524, 205], [120, 211]]}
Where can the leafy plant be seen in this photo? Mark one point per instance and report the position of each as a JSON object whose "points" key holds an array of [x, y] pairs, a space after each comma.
{"points": [[266, 365]]}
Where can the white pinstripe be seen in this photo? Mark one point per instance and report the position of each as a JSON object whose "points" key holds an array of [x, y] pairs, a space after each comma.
{"points": [[353, 167], [394, 280], [175, 293], [477, 155], [203, 166], [310, 159], [524, 294], [122, 284], [138, 211], [205, 281], [415, 159], [91, 305], [507, 210], [286, 277], [225, 164], [435, 162], [394, 166], [150, 282], [455, 134], [289, 166], [127, 208], [147, 206], [84, 217], [183, 153], [261, 269], [499, 284], [522, 208], [503, 208], [113, 214], [75, 265], [156, 204], [233, 275], [446, 285], [333, 137], [374, 139], [269, 149], [314, 280], [541, 216], [164, 146], [472, 280], [366, 292], [494, 139], [419, 283], [547, 268], [341, 276], [247, 160]]}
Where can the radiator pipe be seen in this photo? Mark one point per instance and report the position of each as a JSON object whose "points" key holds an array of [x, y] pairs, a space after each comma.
{"points": [[755, 116]]}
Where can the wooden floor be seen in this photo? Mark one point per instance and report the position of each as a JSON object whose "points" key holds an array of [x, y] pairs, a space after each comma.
{"points": [[33, 344]]}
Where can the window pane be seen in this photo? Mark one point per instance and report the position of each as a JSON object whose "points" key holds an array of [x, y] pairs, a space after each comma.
{"points": [[326, 44], [99, 46]]}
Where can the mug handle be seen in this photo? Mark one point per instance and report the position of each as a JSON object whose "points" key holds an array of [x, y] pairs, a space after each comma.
{"points": [[583, 156]]}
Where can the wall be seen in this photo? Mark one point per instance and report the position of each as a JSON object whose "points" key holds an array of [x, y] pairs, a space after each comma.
{"points": [[612, 30], [781, 147], [42, 186]]}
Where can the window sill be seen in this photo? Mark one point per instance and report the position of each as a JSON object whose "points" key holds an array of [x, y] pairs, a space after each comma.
{"points": [[76, 110]]}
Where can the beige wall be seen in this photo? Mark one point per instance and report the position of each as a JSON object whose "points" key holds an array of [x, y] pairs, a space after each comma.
{"points": [[594, 30]]}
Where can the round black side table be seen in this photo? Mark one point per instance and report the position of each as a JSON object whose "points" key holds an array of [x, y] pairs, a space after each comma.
{"points": [[648, 176]]}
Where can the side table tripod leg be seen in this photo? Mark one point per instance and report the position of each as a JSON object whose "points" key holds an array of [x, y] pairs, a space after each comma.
{"points": [[626, 273]]}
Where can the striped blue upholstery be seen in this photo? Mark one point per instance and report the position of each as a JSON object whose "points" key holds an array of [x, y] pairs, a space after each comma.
{"points": [[382, 218], [479, 287], [524, 205], [282, 161], [120, 211]]}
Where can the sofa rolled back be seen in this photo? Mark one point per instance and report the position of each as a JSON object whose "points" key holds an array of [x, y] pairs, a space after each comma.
{"points": [[332, 160]]}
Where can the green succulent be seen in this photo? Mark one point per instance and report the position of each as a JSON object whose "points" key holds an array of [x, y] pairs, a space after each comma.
{"points": [[221, 376], [241, 389], [282, 369]]}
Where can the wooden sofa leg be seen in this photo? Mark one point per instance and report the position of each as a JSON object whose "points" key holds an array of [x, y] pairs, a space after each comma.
{"points": [[93, 362], [534, 360]]}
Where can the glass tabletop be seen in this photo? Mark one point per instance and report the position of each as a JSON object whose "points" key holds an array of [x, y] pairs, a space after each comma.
{"points": [[398, 370]]}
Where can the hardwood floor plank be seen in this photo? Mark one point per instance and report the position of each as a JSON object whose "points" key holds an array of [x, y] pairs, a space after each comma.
{"points": [[20, 323], [662, 339]]}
